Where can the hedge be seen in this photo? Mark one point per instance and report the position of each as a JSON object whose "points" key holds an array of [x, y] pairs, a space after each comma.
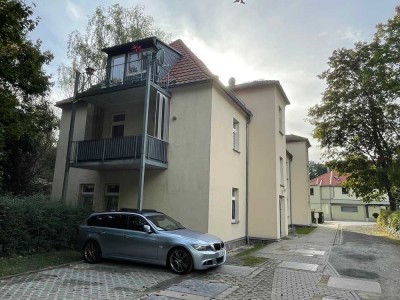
{"points": [[37, 224], [390, 221]]}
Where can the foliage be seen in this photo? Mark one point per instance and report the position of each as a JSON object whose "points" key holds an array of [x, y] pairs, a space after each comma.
{"points": [[36, 224], [316, 169], [358, 120], [105, 28], [27, 122], [22, 264], [382, 219]]}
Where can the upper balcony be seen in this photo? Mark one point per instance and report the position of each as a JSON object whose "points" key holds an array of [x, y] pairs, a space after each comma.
{"points": [[121, 76]]}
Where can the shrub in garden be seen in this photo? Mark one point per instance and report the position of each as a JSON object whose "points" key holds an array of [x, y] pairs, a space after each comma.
{"points": [[394, 221], [37, 224], [382, 219]]}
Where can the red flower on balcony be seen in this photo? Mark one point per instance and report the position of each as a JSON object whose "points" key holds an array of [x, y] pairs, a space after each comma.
{"points": [[136, 48]]}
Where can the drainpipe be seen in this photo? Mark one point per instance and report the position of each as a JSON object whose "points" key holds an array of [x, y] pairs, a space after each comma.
{"points": [[70, 136], [290, 193], [143, 152], [247, 183]]}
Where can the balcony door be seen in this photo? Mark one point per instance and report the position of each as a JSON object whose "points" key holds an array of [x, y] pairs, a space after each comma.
{"points": [[117, 69], [161, 117]]}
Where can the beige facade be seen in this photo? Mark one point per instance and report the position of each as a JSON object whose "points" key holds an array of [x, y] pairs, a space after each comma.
{"points": [[299, 204], [226, 169], [267, 151]]}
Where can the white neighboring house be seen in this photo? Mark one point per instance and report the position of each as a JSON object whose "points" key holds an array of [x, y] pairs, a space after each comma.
{"points": [[328, 195], [215, 157]]}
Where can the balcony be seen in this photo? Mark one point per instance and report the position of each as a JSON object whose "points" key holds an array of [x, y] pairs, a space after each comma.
{"points": [[122, 76], [118, 153]]}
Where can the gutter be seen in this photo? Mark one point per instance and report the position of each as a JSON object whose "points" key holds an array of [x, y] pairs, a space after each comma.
{"points": [[247, 181]]}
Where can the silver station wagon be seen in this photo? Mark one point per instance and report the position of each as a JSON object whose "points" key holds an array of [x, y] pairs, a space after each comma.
{"points": [[151, 237]]}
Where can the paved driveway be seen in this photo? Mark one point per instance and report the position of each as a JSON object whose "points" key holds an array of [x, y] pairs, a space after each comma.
{"points": [[362, 254]]}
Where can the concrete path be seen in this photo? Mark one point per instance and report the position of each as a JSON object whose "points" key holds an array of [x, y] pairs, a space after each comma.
{"points": [[296, 268]]}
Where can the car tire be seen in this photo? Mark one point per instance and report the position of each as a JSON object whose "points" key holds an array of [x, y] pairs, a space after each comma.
{"points": [[180, 261], [92, 252]]}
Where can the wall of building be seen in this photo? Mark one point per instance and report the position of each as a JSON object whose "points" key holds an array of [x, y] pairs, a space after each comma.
{"points": [[300, 202], [338, 214], [227, 168], [265, 148]]}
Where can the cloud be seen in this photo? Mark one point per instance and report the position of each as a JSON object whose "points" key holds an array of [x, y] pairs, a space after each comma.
{"points": [[349, 34], [74, 11]]}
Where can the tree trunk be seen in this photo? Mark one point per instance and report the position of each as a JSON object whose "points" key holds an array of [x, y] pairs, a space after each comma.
{"points": [[392, 201]]}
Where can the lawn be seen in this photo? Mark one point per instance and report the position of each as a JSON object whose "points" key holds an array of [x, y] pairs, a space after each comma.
{"points": [[249, 260], [16, 265], [304, 230]]}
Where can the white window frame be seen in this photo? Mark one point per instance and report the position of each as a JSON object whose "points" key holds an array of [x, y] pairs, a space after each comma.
{"points": [[161, 117], [110, 194], [235, 206], [282, 177], [280, 116], [83, 194], [117, 79], [235, 134]]}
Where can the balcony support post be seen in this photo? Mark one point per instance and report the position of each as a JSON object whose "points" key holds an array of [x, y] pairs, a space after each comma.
{"points": [[143, 152], [70, 136]]}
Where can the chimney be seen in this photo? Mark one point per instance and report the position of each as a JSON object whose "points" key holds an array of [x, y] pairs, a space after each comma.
{"points": [[232, 82]]}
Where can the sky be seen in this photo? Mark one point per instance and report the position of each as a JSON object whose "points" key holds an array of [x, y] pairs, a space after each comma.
{"points": [[286, 40]]}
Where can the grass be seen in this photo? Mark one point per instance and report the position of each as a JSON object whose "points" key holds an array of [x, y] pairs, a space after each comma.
{"points": [[17, 265], [304, 230], [249, 260]]}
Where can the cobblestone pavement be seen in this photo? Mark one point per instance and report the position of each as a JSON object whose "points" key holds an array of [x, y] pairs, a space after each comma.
{"points": [[295, 268]]}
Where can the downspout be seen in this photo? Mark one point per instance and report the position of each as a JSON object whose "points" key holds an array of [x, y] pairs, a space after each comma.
{"points": [[247, 182], [143, 153], [70, 136], [290, 192]]}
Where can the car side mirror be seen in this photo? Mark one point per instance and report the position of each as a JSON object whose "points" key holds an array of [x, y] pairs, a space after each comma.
{"points": [[147, 228]]}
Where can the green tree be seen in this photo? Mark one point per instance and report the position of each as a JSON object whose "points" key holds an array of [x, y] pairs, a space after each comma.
{"points": [[27, 121], [358, 120], [105, 28], [316, 169]]}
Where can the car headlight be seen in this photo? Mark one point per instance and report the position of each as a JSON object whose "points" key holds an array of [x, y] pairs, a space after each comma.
{"points": [[200, 247]]}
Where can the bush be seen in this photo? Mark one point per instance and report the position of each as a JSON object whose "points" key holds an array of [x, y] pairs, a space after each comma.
{"points": [[382, 219], [37, 224], [394, 221]]}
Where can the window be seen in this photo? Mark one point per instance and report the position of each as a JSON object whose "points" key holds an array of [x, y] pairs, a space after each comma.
{"points": [[136, 63], [235, 200], [86, 195], [118, 125], [281, 171], [112, 197], [117, 221], [344, 191], [348, 208], [117, 69], [136, 223], [235, 130], [98, 221], [280, 120], [311, 191]]}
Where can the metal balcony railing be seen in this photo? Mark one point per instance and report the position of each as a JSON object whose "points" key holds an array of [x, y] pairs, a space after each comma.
{"points": [[127, 147], [127, 73]]}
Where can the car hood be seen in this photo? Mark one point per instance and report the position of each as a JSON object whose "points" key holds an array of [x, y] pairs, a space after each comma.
{"points": [[194, 236]]}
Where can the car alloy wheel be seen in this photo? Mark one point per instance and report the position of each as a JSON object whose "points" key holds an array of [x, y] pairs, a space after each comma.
{"points": [[92, 252], [180, 261]]}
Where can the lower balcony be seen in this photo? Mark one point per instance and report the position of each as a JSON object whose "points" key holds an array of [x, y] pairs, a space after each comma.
{"points": [[118, 153]]}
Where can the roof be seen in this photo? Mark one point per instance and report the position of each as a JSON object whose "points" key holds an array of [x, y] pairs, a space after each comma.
{"points": [[189, 68], [291, 138], [262, 83], [331, 178]]}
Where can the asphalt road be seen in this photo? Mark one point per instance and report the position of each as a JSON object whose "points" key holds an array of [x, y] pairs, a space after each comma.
{"points": [[364, 254]]}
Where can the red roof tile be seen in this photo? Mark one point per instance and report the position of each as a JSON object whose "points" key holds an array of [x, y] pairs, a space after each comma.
{"points": [[189, 68], [332, 178]]}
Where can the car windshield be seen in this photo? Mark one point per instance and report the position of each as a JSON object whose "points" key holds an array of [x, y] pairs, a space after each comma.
{"points": [[163, 222]]}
